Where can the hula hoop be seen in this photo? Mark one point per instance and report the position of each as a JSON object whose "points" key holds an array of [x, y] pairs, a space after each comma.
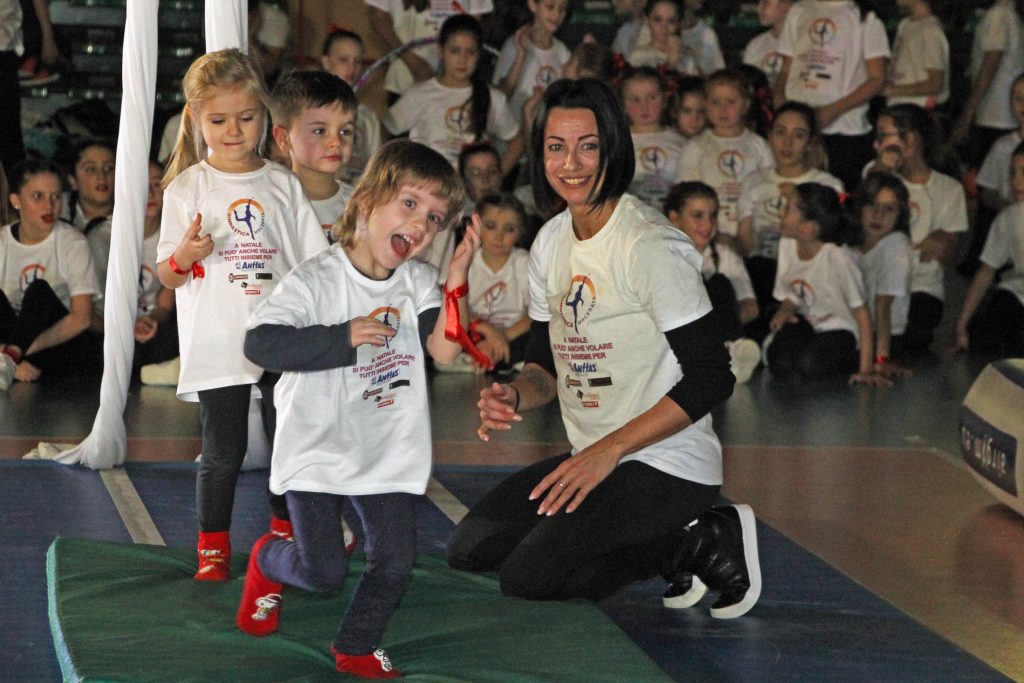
{"points": [[394, 54]]}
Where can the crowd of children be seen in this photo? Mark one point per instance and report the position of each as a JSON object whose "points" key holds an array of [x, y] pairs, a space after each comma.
{"points": [[802, 276]]}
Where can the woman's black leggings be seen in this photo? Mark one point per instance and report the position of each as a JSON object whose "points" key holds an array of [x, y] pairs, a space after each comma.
{"points": [[628, 529]]}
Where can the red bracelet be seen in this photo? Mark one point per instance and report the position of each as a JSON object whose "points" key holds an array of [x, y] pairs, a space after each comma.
{"points": [[453, 330], [197, 268], [175, 267]]}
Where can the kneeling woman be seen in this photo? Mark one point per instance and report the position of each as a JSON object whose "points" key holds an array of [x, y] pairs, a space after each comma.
{"points": [[48, 282], [621, 334]]}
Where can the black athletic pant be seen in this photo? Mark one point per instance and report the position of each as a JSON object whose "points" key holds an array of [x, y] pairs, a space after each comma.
{"points": [[998, 326], [627, 530], [924, 316], [797, 350]]}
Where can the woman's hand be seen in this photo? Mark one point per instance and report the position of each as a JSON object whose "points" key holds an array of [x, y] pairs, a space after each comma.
{"points": [[570, 483], [145, 329], [26, 372], [366, 330], [497, 409], [193, 248]]}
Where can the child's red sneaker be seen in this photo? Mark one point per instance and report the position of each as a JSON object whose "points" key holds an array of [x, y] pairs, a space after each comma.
{"points": [[371, 665], [214, 550], [260, 608]]}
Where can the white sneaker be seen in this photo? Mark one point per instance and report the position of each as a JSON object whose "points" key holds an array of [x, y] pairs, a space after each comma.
{"points": [[162, 374], [745, 355], [7, 368]]}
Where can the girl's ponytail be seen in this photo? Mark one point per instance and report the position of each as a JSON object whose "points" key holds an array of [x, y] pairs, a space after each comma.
{"points": [[820, 203], [186, 147]]}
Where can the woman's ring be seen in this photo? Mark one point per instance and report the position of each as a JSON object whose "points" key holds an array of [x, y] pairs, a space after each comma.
{"points": [[562, 484]]}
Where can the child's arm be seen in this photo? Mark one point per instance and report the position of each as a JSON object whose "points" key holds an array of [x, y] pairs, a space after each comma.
{"points": [[382, 25], [785, 314], [748, 310], [513, 151], [990, 61], [519, 40], [972, 299], [871, 86], [745, 242], [442, 349], [939, 246], [932, 85], [866, 372], [192, 248]]}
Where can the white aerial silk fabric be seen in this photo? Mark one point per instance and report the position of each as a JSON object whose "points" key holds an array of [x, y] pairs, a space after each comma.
{"points": [[106, 446]]}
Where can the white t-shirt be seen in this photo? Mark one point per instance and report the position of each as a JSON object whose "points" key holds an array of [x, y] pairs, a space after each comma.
{"points": [[500, 297], [368, 139], [762, 201], [329, 210], [703, 41], [658, 157], [920, 45], [10, 27], [362, 429], [724, 163], [730, 264], [994, 173], [61, 259], [823, 288], [411, 25], [629, 35], [936, 204], [886, 272], [1005, 244], [608, 302], [540, 69], [763, 52], [262, 226], [1000, 30], [829, 45], [98, 238], [439, 117]]}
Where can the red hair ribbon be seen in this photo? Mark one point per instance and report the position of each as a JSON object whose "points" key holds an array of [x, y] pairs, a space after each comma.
{"points": [[338, 28], [843, 196], [453, 330]]}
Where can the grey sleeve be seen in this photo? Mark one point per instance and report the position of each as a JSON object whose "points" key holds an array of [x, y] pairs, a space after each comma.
{"points": [[282, 348]]}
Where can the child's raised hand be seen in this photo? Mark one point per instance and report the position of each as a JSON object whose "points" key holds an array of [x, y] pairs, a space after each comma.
{"points": [[366, 330], [779, 319], [193, 247], [458, 269], [145, 329]]}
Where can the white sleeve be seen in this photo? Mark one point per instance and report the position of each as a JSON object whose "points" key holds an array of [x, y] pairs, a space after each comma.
{"points": [[665, 273], [994, 168], [522, 274], [894, 280], [401, 115], [502, 123], [934, 51], [995, 30], [174, 221], [539, 256], [780, 291], [953, 217], [849, 278], [711, 51], [76, 264], [311, 239], [731, 266], [876, 42], [998, 249], [790, 30], [425, 284], [291, 303]]}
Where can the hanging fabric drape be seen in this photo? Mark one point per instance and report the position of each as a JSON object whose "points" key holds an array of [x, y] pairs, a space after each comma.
{"points": [[226, 24]]}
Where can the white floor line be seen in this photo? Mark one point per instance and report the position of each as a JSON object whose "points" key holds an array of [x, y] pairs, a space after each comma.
{"points": [[445, 501], [130, 506]]}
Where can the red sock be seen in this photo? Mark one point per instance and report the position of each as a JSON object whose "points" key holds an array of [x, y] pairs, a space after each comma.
{"points": [[260, 608], [214, 556], [282, 528], [371, 665]]}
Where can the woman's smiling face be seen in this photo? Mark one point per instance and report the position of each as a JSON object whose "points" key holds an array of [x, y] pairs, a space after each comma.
{"points": [[572, 155]]}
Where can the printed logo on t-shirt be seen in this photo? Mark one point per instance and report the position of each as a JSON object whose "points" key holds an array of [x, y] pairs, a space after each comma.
{"points": [[456, 119], [804, 293], [31, 273], [246, 217], [494, 295], [577, 305], [731, 163], [774, 206], [822, 31], [390, 316], [653, 158], [771, 63], [546, 75]]}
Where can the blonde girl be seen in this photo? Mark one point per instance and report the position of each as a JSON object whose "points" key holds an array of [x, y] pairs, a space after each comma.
{"points": [[350, 329], [233, 224]]}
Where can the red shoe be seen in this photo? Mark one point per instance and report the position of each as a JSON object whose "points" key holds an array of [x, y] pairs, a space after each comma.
{"points": [[372, 665], [214, 556], [282, 528], [260, 608]]}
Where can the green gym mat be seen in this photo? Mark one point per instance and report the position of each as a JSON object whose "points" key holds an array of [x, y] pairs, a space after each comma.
{"points": [[133, 613]]}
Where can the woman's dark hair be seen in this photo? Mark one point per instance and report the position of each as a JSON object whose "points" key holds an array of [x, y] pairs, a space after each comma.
{"points": [[23, 170], [480, 97], [820, 203], [867, 193], [334, 34], [938, 153], [615, 144]]}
